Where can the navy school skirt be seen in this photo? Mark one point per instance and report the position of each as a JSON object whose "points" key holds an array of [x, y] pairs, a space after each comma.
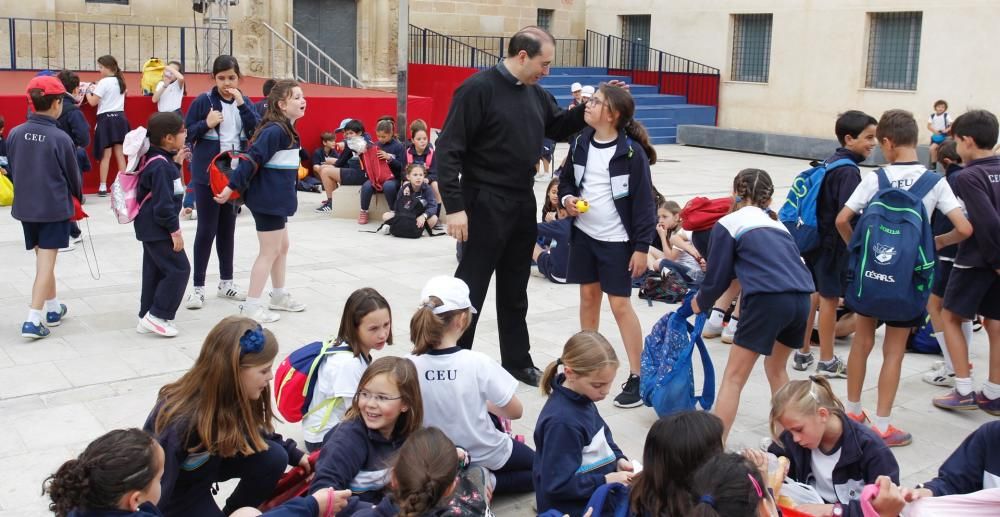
{"points": [[110, 130]]}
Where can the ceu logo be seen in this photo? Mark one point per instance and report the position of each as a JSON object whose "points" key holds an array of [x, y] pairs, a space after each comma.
{"points": [[883, 254]]}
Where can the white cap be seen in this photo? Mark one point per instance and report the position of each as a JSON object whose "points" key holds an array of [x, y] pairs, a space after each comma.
{"points": [[135, 146], [453, 293], [587, 91], [575, 87], [343, 124]]}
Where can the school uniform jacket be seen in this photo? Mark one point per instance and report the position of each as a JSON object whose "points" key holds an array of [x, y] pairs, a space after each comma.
{"points": [[146, 509], [271, 190], [750, 246], [837, 187], [973, 466], [978, 186], [427, 158], [386, 508], [357, 458], [75, 125], [398, 152], [636, 206], [863, 458], [157, 218], [940, 224], [319, 155], [199, 468], [42, 161], [204, 141], [425, 195], [574, 451]]}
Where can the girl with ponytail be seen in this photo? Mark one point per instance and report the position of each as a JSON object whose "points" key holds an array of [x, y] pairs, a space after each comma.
{"points": [[608, 171], [108, 95]]}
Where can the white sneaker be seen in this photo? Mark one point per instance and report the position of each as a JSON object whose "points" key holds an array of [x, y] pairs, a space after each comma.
{"points": [[940, 375], [71, 247], [196, 299], [158, 326], [727, 334], [141, 329], [232, 292], [285, 302], [711, 331], [260, 315]]}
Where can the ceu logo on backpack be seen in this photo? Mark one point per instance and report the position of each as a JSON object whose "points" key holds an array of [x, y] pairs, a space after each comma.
{"points": [[883, 254]]}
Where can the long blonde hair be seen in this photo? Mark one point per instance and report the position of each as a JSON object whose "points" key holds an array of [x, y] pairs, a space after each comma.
{"points": [[586, 352]]}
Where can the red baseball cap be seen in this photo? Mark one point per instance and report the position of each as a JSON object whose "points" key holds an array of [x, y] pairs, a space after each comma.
{"points": [[48, 84]]}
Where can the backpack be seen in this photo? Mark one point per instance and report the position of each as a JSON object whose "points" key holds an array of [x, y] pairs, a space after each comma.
{"points": [[123, 192], [798, 214], [662, 286], [922, 341], [295, 380], [701, 213], [221, 168], [891, 254], [377, 170], [152, 74], [667, 373]]}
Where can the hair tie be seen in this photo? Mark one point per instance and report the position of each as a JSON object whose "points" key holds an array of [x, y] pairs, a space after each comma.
{"points": [[756, 485], [252, 341], [559, 361], [707, 499]]}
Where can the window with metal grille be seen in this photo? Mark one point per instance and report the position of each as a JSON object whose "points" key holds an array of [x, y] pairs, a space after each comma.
{"points": [[751, 47], [545, 18], [893, 50]]}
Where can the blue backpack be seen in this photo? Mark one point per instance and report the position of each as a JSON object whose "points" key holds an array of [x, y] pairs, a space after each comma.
{"points": [[891, 261], [798, 214], [922, 341], [609, 500], [667, 375]]}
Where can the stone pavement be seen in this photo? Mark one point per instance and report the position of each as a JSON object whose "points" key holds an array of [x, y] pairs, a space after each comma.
{"points": [[94, 373]]}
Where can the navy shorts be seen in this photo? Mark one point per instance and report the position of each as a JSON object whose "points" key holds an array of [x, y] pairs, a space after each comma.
{"points": [[973, 291], [591, 260], [769, 317], [352, 177], [942, 272], [268, 222], [110, 130], [828, 266], [47, 236], [914, 323]]}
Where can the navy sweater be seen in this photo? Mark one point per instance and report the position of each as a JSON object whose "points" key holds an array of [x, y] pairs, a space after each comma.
{"points": [[427, 158], [573, 451], [186, 472], [750, 246], [975, 461], [492, 134], [46, 176], [940, 223], [271, 189], [978, 186], [357, 458], [204, 141], [386, 508], [146, 509], [637, 209], [398, 161], [75, 125], [425, 195], [157, 218], [838, 185], [863, 458], [319, 155]]}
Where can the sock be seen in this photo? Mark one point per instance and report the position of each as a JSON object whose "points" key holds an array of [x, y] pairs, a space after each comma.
{"points": [[963, 386], [53, 306], [881, 423], [992, 391], [35, 316], [967, 332], [731, 327], [225, 284], [277, 292], [853, 408], [949, 367], [200, 289], [104, 186], [251, 304], [716, 317]]}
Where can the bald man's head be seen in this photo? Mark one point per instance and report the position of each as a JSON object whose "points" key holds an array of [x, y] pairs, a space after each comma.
{"points": [[529, 39]]}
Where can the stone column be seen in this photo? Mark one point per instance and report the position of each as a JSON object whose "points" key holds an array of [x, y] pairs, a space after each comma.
{"points": [[377, 37]]}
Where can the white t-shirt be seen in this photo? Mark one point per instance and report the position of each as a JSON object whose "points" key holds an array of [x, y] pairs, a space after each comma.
{"points": [[939, 122], [455, 386], [602, 221], [231, 127], [904, 176], [822, 471], [337, 379], [112, 99], [170, 98]]}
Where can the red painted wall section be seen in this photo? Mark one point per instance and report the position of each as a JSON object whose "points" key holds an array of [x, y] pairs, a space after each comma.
{"points": [[438, 82], [700, 89]]}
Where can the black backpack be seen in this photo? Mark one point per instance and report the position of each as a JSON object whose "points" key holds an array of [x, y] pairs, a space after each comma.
{"points": [[404, 221]]}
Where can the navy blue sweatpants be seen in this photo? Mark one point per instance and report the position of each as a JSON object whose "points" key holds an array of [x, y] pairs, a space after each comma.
{"points": [[165, 274], [215, 223]]}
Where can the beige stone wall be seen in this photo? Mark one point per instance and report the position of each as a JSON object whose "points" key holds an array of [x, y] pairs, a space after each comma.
{"points": [[497, 18], [818, 56]]}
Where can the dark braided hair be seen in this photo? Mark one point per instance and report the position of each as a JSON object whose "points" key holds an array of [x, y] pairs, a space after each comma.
{"points": [[424, 472], [119, 462], [753, 187]]}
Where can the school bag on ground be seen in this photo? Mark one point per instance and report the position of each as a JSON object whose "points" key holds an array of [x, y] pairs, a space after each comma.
{"points": [[891, 261], [922, 340], [295, 380], [667, 372], [662, 286], [123, 191], [701, 213], [6, 191], [798, 214], [152, 74]]}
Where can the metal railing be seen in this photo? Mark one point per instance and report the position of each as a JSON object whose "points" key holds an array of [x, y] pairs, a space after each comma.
{"points": [[32, 44], [569, 51], [428, 47], [285, 60], [311, 54]]}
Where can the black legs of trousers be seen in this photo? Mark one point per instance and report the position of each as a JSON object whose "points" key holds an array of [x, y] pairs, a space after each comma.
{"points": [[165, 274], [502, 233], [215, 223]]}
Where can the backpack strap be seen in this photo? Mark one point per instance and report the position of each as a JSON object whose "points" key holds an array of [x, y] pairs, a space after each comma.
{"points": [[924, 184], [840, 163], [707, 397], [883, 179]]}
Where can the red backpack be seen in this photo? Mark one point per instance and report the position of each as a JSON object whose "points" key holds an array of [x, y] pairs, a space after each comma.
{"points": [[295, 379], [378, 171], [220, 169], [702, 213]]}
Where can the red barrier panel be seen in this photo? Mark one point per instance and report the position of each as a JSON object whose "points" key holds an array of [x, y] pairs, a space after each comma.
{"points": [[700, 89], [438, 82]]}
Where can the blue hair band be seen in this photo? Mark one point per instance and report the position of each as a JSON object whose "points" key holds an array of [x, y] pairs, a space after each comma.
{"points": [[707, 499]]}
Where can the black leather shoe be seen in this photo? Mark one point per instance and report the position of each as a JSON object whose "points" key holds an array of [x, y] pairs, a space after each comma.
{"points": [[530, 375]]}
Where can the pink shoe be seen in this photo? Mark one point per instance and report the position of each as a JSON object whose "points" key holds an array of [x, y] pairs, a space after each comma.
{"points": [[363, 217]]}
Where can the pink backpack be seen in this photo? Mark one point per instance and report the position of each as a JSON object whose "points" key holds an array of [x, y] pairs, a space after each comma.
{"points": [[123, 192]]}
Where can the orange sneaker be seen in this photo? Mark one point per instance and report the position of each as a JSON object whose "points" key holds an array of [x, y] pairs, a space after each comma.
{"points": [[894, 437], [861, 419]]}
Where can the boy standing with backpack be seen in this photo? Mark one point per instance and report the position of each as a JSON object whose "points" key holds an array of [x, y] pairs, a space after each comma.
{"points": [[828, 263], [974, 287], [892, 261]]}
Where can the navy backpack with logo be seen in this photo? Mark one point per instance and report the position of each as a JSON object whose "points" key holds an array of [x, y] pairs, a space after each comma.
{"points": [[891, 261], [798, 214]]}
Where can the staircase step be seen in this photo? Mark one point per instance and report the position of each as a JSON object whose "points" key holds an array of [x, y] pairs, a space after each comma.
{"points": [[660, 140], [643, 99], [567, 80], [577, 70], [636, 89], [655, 132]]}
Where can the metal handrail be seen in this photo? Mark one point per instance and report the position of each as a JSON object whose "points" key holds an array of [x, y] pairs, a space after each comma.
{"points": [[430, 47], [296, 53], [355, 82]]}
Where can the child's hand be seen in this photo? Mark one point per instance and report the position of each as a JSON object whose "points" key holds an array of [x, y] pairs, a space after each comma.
{"points": [[661, 230], [758, 458], [382, 155], [339, 146], [237, 94], [178, 240], [330, 161], [214, 118], [915, 494], [421, 221], [304, 464], [619, 477], [550, 216], [889, 502], [637, 266], [223, 196], [183, 155], [570, 205], [331, 501], [625, 465]]}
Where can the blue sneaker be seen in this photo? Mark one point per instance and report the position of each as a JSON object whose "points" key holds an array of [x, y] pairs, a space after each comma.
{"points": [[54, 319], [30, 330]]}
